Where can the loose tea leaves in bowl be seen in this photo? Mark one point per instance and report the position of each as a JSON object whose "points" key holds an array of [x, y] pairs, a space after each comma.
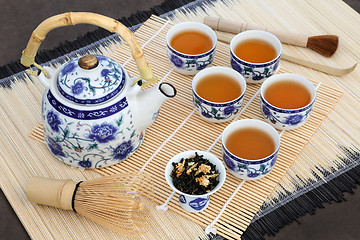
{"points": [[195, 175]]}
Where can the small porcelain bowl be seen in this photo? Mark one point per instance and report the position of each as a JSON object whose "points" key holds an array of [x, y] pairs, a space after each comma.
{"points": [[286, 119], [186, 63], [195, 203], [244, 168], [218, 112], [255, 72]]}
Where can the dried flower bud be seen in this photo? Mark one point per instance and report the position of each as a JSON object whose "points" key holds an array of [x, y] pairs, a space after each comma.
{"points": [[179, 169], [203, 168], [203, 180], [193, 167]]}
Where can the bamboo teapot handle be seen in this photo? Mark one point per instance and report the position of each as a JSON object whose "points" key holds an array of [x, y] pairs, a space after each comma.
{"points": [[72, 18]]}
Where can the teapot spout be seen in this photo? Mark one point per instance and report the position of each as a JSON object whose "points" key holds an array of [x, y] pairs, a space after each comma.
{"points": [[149, 103]]}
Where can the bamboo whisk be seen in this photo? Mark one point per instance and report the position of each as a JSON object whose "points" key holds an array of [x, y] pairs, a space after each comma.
{"points": [[120, 202], [324, 44]]}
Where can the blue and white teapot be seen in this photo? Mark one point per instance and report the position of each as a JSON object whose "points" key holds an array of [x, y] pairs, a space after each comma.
{"points": [[93, 115]]}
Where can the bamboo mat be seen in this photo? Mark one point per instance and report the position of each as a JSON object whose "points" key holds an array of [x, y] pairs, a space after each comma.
{"points": [[326, 152], [178, 129], [334, 149]]}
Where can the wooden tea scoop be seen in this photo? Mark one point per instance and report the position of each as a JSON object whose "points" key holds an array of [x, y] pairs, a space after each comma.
{"points": [[316, 66], [322, 68], [119, 202], [324, 44]]}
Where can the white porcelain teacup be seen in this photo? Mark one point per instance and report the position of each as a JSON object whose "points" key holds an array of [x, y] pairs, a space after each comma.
{"points": [[255, 72], [195, 203], [218, 112], [282, 118], [185, 63], [244, 168]]}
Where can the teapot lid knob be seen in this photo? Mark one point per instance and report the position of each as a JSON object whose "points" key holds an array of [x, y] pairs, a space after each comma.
{"points": [[88, 62]]}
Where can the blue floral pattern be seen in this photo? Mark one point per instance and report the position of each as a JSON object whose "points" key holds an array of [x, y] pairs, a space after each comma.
{"points": [[190, 64], [55, 147], [201, 65], [77, 88], [248, 170], [217, 112], [123, 150], [229, 163], [253, 174], [284, 119], [105, 72], [254, 73], [229, 110], [85, 164], [93, 143], [206, 114], [90, 136], [274, 160], [68, 68], [53, 120], [294, 119], [266, 110], [176, 61], [97, 86], [103, 133], [101, 58], [236, 66], [276, 65]]}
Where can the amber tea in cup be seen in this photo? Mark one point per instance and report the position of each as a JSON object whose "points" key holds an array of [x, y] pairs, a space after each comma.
{"points": [[190, 47], [218, 88], [250, 148], [255, 54], [287, 95], [255, 51], [218, 93], [200, 42], [250, 143], [286, 100]]}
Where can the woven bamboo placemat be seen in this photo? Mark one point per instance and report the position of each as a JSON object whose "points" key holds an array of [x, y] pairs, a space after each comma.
{"points": [[178, 129], [20, 160], [329, 164]]}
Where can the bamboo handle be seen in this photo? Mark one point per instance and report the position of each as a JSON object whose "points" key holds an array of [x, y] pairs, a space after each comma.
{"points": [[51, 192], [215, 23], [72, 18]]}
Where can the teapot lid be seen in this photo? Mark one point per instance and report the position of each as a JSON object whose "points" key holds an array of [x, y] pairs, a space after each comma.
{"points": [[91, 79]]}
